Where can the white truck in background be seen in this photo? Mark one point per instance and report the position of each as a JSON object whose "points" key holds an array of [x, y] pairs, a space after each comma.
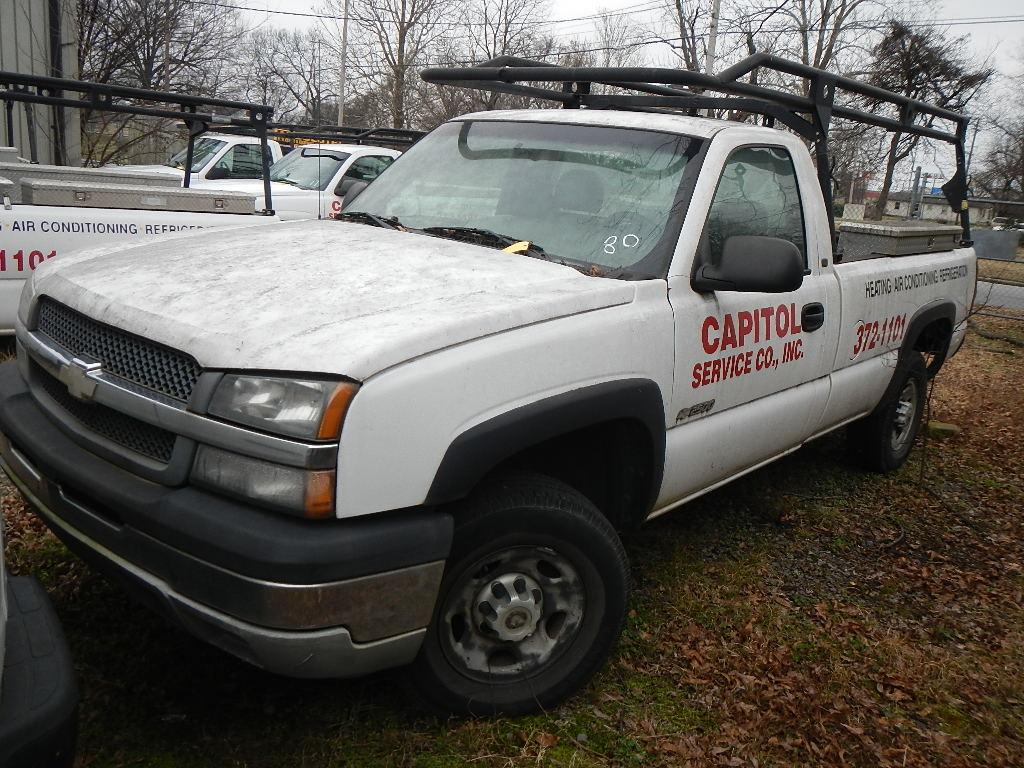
{"points": [[311, 181], [419, 442], [47, 212], [217, 158]]}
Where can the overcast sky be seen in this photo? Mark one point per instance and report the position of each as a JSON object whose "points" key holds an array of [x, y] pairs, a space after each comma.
{"points": [[994, 31], [999, 39]]}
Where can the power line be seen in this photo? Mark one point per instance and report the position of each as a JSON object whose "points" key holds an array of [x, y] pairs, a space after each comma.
{"points": [[625, 11]]}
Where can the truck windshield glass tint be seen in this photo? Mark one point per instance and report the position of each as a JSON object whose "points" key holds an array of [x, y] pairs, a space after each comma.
{"points": [[603, 197], [204, 150], [308, 168]]}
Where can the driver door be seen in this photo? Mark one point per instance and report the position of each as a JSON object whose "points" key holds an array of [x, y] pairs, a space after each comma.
{"points": [[752, 369]]}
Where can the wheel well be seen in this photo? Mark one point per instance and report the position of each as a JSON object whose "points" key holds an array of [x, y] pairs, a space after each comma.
{"points": [[934, 340], [611, 463]]}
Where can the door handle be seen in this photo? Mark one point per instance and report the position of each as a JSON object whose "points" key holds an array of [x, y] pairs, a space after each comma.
{"points": [[812, 317]]}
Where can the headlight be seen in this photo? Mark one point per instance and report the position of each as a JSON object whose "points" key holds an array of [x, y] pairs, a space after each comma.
{"points": [[304, 408], [305, 492], [25, 301]]}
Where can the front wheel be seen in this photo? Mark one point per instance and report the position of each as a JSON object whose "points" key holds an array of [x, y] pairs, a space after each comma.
{"points": [[882, 440], [531, 604]]}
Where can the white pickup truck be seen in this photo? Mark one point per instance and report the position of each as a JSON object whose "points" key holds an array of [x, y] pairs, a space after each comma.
{"points": [[48, 211], [311, 181], [411, 435], [217, 158]]}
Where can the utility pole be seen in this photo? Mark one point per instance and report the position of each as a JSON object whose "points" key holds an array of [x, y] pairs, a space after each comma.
{"points": [[712, 37], [167, 45], [344, 57], [914, 192], [919, 214]]}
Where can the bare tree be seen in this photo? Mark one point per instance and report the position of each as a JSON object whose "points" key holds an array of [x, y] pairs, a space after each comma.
{"points": [[392, 39], [501, 28], [1001, 171], [293, 71], [927, 65], [1000, 168], [172, 44], [688, 21], [616, 37]]}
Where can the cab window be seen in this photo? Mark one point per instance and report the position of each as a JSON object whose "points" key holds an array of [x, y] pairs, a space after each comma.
{"points": [[757, 194], [368, 168], [240, 162]]}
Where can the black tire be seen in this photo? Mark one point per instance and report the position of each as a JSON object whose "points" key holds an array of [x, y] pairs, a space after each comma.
{"points": [[881, 441], [525, 532]]}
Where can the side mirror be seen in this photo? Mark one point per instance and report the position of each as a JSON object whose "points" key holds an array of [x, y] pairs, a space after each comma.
{"points": [[217, 172], [753, 264], [353, 192]]}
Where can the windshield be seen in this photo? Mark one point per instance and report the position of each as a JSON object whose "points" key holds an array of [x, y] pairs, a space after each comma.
{"points": [[308, 168], [607, 198], [204, 150]]}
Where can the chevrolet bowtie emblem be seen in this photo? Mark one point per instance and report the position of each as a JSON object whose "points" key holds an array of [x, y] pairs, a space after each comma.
{"points": [[79, 377]]}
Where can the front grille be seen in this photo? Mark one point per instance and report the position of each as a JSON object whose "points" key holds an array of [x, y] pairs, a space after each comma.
{"points": [[135, 435], [138, 360]]}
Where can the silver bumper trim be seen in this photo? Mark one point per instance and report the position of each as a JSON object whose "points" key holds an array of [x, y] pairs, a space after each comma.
{"points": [[321, 653]]}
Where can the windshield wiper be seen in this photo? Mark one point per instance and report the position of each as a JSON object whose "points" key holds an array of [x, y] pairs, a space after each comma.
{"points": [[388, 222], [285, 180], [479, 236]]}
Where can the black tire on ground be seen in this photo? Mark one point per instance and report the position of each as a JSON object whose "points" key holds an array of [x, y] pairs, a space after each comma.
{"points": [[881, 441], [532, 601]]}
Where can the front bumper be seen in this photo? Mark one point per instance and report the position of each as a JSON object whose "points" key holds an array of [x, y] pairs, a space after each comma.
{"points": [[39, 698], [296, 597]]}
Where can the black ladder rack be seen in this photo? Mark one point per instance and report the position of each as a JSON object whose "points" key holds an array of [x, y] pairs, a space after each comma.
{"points": [[197, 112], [660, 89]]}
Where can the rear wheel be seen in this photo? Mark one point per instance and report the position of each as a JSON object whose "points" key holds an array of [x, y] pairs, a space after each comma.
{"points": [[532, 602], [882, 441]]}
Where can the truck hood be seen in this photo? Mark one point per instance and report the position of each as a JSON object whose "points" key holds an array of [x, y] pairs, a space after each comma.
{"points": [[255, 187], [321, 296]]}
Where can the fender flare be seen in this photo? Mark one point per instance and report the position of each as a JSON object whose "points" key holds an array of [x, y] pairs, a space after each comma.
{"points": [[481, 448], [941, 310]]}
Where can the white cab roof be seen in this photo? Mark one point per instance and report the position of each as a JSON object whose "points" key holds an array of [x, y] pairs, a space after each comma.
{"points": [[352, 149]]}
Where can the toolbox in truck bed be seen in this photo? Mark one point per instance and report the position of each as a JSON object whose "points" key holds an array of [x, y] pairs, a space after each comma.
{"points": [[134, 197], [870, 239]]}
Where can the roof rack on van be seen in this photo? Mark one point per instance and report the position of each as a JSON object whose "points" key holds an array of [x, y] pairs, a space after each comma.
{"points": [[197, 112], [661, 89]]}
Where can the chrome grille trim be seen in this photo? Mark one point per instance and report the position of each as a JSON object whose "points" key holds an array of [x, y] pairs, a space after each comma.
{"points": [[171, 415], [137, 436], [134, 359]]}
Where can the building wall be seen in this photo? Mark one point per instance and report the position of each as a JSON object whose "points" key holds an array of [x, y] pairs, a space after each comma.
{"points": [[25, 49], [939, 212]]}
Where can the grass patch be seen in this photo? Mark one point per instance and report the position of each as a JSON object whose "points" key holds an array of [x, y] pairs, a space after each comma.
{"points": [[995, 269]]}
